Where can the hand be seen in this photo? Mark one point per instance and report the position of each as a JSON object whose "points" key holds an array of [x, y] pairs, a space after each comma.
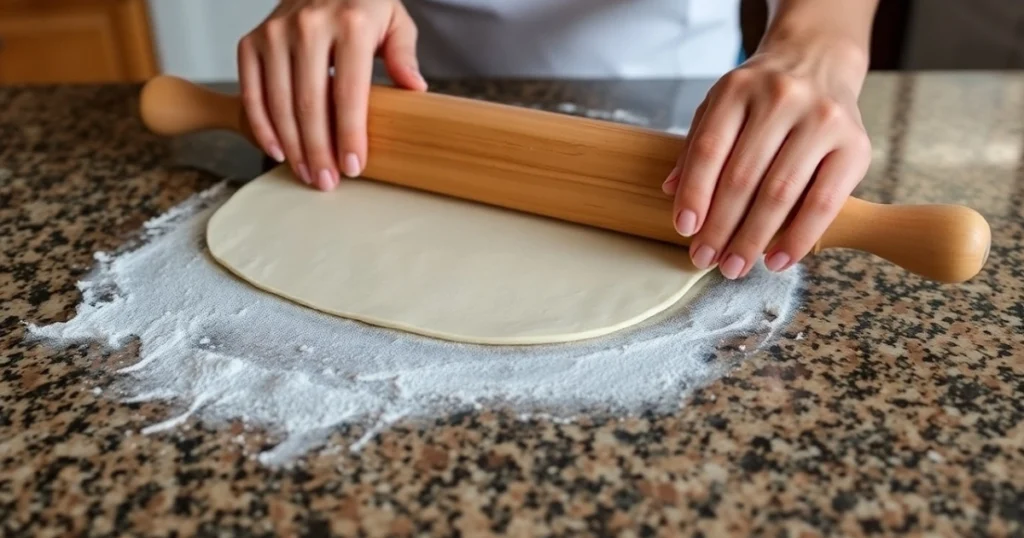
{"points": [[289, 97], [778, 138]]}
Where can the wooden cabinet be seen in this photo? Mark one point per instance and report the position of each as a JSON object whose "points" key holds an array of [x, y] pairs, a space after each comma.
{"points": [[75, 41]]}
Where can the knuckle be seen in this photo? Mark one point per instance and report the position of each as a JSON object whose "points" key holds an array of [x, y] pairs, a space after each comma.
{"points": [[784, 88], [824, 202], [305, 104], [275, 29], [310, 20], [736, 80], [280, 107], [250, 98], [781, 190], [245, 45], [707, 147], [353, 21], [828, 112], [742, 178], [860, 144]]}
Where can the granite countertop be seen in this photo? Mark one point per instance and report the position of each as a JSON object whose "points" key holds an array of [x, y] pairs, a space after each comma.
{"points": [[898, 410]]}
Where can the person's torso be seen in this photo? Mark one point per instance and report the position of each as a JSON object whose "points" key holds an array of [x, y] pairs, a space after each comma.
{"points": [[577, 38]]}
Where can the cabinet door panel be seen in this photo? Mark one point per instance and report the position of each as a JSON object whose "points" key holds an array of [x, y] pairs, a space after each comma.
{"points": [[74, 42], [71, 47]]}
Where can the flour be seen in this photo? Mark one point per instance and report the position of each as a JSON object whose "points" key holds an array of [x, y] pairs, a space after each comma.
{"points": [[221, 350], [617, 115]]}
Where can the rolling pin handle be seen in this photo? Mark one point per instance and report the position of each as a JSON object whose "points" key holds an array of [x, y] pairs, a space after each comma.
{"points": [[945, 243], [172, 106]]}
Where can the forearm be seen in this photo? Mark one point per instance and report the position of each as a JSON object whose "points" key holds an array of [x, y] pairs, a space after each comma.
{"points": [[845, 19], [841, 29]]}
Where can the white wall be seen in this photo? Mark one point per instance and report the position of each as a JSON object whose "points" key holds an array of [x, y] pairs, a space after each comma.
{"points": [[197, 39]]}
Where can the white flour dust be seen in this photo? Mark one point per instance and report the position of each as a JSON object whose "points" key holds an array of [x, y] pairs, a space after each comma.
{"points": [[221, 350], [617, 115]]}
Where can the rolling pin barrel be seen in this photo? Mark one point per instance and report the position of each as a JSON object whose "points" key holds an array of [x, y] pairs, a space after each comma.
{"points": [[582, 170]]}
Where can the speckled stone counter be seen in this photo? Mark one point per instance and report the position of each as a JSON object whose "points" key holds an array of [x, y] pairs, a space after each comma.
{"points": [[891, 405]]}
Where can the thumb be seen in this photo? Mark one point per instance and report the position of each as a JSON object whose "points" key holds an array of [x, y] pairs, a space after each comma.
{"points": [[399, 52]]}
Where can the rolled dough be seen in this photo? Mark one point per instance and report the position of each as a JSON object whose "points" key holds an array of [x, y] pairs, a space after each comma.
{"points": [[442, 267]]}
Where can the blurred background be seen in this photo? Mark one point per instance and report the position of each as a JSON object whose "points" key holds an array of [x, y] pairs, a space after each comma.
{"points": [[66, 41]]}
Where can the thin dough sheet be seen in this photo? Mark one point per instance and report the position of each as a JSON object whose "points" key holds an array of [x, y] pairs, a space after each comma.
{"points": [[442, 267]]}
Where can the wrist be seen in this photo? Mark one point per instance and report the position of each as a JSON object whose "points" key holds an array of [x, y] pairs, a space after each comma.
{"points": [[833, 37], [839, 58]]}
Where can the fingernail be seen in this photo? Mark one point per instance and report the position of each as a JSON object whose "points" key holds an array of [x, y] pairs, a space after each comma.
{"points": [[776, 262], [276, 154], [732, 267], [703, 257], [669, 186], [686, 223], [327, 181], [351, 165], [304, 175]]}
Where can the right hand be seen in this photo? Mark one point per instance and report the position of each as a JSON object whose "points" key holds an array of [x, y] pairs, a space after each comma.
{"points": [[289, 96]]}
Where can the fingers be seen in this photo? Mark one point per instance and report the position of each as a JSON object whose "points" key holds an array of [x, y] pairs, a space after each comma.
{"points": [[776, 196], [769, 145], [298, 112], [759, 142], [353, 74], [277, 80], [311, 64], [250, 76], [838, 175], [399, 52], [706, 154]]}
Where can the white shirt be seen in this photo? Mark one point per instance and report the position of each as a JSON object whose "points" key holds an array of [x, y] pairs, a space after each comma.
{"points": [[577, 38]]}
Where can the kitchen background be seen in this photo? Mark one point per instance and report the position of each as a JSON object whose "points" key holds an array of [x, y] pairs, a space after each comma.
{"points": [[47, 41]]}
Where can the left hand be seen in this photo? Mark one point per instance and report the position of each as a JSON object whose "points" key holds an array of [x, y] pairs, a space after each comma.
{"points": [[779, 137]]}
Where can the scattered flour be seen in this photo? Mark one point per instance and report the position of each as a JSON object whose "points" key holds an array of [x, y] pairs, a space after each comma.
{"points": [[221, 350], [617, 115]]}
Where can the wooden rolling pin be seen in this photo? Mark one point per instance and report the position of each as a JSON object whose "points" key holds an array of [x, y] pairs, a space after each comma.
{"points": [[582, 170]]}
